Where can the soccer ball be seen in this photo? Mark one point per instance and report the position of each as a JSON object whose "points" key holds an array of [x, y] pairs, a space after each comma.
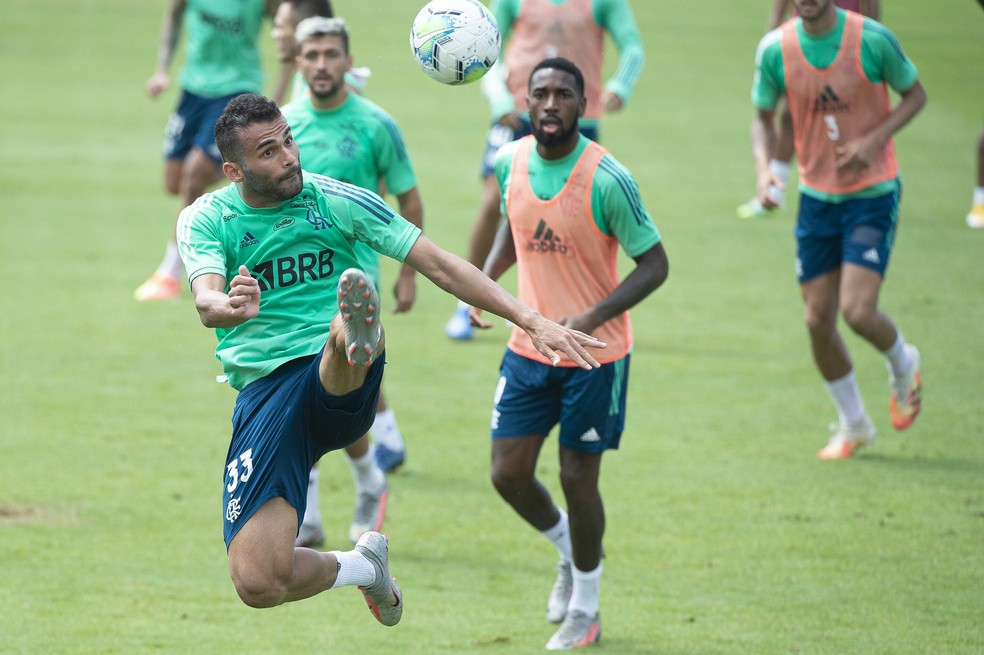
{"points": [[455, 41]]}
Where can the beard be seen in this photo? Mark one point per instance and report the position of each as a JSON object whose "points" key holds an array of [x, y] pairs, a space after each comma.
{"points": [[323, 93], [278, 189], [553, 140]]}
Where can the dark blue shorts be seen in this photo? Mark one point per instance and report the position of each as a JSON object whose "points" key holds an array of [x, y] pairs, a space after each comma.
{"points": [[282, 424], [193, 125], [531, 398], [499, 135], [859, 231]]}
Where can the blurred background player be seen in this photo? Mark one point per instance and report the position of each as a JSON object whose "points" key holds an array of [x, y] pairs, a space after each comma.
{"points": [[575, 282], [345, 136], [221, 61], [289, 14], [780, 161], [835, 68], [533, 30], [975, 218]]}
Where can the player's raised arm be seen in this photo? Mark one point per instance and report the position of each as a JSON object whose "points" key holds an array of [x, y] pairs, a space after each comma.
{"points": [[219, 309]]}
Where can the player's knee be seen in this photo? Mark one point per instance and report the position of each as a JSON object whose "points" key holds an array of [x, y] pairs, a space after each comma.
{"points": [[507, 481], [857, 315], [259, 594]]}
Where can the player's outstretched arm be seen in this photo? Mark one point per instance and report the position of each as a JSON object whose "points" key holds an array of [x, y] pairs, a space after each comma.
{"points": [[460, 278], [219, 309]]}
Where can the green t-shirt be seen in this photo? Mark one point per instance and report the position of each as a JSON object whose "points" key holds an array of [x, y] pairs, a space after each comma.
{"points": [[357, 143], [221, 57], [615, 200], [882, 59], [297, 250]]}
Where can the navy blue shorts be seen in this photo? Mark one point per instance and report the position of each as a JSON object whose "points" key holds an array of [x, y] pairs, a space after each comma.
{"points": [[282, 424], [193, 125], [532, 397], [499, 135], [859, 231]]}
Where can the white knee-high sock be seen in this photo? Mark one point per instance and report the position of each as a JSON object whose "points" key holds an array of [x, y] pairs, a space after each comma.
{"points": [[586, 587]]}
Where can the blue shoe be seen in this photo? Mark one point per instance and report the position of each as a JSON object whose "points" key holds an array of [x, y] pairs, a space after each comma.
{"points": [[459, 325], [389, 460]]}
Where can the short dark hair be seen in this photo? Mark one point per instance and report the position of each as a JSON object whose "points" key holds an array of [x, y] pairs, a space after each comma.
{"points": [[565, 65], [307, 8], [241, 112]]}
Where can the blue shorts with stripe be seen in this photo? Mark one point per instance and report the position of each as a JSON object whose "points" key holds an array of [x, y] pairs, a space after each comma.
{"points": [[858, 231], [193, 125], [532, 397], [282, 424]]}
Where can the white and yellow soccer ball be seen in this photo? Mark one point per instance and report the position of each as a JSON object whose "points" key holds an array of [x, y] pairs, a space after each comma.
{"points": [[455, 41]]}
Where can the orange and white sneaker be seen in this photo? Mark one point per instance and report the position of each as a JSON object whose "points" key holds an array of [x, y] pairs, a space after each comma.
{"points": [[358, 303], [975, 219], [383, 596], [578, 629], [909, 389], [848, 439], [158, 286]]}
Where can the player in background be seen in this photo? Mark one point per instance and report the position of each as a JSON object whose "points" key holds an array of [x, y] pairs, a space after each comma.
{"points": [[221, 61], [345, 136], [265, 255], [780, 161], [533, 30], [834, 68], [289, 14], [568, 206]]}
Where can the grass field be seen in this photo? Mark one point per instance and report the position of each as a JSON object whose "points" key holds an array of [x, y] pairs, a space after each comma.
{"points": [[725, 534]]}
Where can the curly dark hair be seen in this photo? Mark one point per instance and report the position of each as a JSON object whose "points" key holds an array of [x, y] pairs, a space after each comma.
{"points": [[241, 112], [566, 65]]}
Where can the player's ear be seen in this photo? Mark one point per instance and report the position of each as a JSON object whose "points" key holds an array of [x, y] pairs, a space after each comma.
{"points": [[232, 171]]}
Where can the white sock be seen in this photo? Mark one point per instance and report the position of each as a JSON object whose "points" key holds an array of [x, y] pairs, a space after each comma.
{"points": [[462, 305], [847, 397], [979, 195], [353, 569], [366, 472], [585, 594], [312, 512], [386, 432], [560, 536], [171, 265], [898, 358]]}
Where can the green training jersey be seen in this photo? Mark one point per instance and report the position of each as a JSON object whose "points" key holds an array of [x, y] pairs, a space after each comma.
{"points": [[357, 142], [221, 55], [615, 201], [882, 59], [297, 251]]}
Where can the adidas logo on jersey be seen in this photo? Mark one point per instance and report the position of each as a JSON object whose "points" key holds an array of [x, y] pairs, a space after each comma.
{"points": [[828, 102], [544, 240], [247, 241]]}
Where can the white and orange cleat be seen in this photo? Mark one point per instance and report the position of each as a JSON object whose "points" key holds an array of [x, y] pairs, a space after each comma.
{"points": [[158, 287], [848, 439], [383, 596], [909, 388]]}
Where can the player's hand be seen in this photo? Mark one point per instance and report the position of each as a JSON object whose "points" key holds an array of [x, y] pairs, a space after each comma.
{"points": [[512, 121], [858, 154], [764, 186], [476, 320], [549, 337], [157, 83], [244, 296], [404, 292], [611, 102]]}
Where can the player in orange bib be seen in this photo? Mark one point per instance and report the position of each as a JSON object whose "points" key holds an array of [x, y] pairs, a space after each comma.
{"points": [[834, 68], [569, 206]]}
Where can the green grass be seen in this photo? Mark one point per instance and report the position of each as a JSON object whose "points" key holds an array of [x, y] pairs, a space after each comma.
{"points": [[725, 535]]}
